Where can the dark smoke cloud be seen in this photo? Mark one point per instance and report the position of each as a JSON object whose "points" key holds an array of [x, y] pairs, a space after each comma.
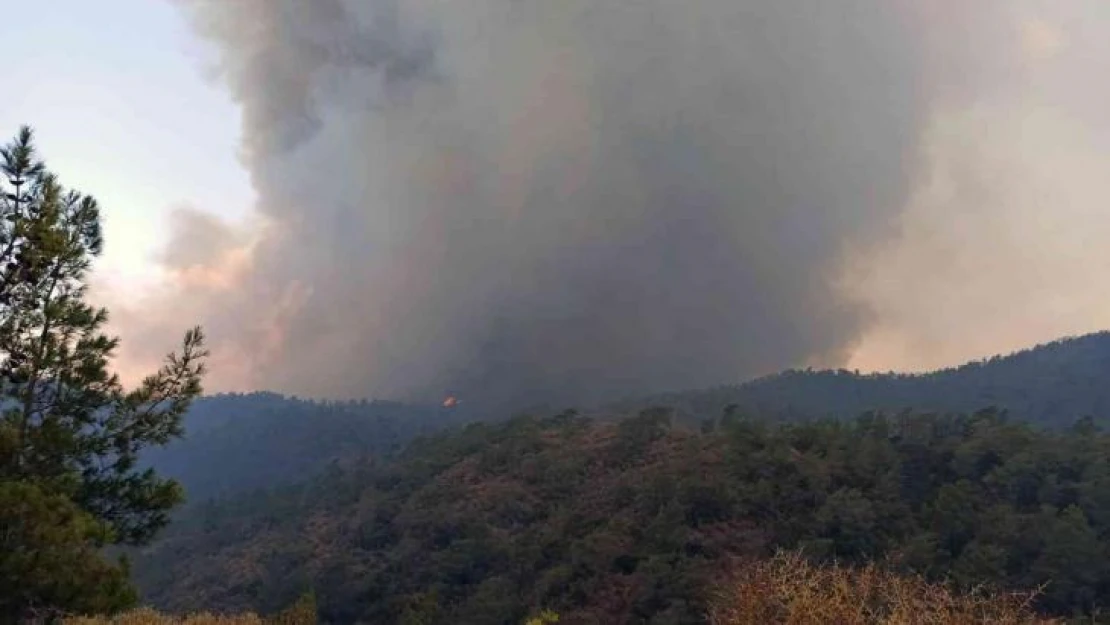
{"points": [[528, 200]]}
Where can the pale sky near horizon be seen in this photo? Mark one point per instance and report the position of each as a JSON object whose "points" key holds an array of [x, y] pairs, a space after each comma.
{"points": [[123, 111]]}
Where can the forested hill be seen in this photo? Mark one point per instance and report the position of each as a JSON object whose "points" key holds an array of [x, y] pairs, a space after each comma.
{"points": [[239, 442], [637, 522], [390, 518], [1051, 385]]}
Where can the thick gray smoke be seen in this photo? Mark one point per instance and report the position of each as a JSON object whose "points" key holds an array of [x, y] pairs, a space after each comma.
{"points": [[534, 200]]}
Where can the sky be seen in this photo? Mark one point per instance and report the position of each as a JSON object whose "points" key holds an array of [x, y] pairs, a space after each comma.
{"points": [[124, 110], [998, 244]]}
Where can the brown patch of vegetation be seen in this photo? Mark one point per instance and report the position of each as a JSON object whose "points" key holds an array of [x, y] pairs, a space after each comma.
{"points": [[146, 616], [303, 612], [789, 590]]}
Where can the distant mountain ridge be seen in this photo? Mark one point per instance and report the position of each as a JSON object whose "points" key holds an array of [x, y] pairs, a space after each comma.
{"points": [[1052, 385], [241, 442]]}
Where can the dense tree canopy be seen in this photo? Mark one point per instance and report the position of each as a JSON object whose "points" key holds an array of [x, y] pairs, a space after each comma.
{"points": [[70, 434], [634, 521], [239, 442]]}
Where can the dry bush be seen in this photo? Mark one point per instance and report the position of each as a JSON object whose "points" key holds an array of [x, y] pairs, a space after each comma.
{"points": [[146, 616], [303, 612], [788, 590]]}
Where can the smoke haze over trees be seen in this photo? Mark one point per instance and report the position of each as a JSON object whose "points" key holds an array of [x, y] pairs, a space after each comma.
{"points": [[530, 201]]}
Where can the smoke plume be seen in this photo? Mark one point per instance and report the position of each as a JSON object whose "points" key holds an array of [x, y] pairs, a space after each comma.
{"points": [[1000, 245], [526, 201]]}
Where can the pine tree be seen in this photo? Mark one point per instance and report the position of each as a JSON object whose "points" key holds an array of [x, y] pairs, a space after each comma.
{"points": [[70, 435]]}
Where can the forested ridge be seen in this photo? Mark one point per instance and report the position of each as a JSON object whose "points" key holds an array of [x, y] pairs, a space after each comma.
{"points": [[1051, 384], [238, 442], [635, 521], [400, 513]]}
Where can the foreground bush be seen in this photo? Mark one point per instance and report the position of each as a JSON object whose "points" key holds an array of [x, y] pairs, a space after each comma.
{"points": [[787, 589], [303, 612], [146, 616]]}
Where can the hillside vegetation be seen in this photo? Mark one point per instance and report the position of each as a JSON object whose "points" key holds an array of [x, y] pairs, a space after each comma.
{"points": [[1051, 385], [302, 612], [634, 521], [240, 442], [147, 616], [784, 589], [788, 589]]}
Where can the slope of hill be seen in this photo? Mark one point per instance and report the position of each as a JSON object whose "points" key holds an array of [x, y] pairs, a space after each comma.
{"points": [[1051, 385], [784, 589], [634, 521], [236, 443], [241, 442]]}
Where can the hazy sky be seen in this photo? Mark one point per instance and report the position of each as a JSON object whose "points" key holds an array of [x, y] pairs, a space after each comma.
{"points": [[1000, 242], [117, 93]]}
